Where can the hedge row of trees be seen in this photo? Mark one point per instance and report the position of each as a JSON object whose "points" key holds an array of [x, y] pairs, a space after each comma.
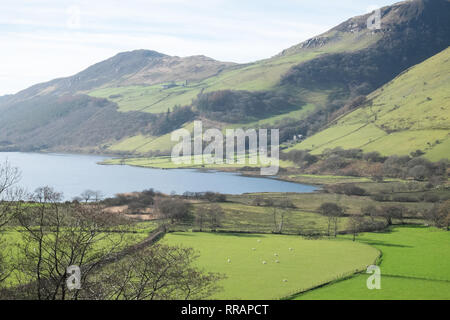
{"points": [[345, 162], [241, 106]]}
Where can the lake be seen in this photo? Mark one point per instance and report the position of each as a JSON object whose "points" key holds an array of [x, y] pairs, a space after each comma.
{"points": [[72, 174]]}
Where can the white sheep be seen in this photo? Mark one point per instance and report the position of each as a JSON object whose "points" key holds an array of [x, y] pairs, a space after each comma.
{"points": [[277, 261], [264, 262], [275, 254], [253, 249], [284, 280], [290, 249], [258, 241], [229, 260]]}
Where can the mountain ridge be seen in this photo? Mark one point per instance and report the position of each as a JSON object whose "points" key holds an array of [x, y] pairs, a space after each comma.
{"points": [[326, 72]]}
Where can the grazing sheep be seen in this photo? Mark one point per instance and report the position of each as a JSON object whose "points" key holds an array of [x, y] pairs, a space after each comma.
{"points": [[264, 262], [277, 261], [253, 249], [275, 254], [290, 249], [284, 280], [229, 260], [258, 240]]}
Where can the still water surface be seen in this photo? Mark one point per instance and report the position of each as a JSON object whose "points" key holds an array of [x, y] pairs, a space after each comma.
{"points": [[72, 174]]}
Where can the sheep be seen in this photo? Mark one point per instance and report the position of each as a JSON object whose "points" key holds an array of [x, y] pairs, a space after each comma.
{"points": [[229, 260], [258, 240], [275, 254], [264, 262], [277, 261], [290, 249], [285, 280], [253, 249]]}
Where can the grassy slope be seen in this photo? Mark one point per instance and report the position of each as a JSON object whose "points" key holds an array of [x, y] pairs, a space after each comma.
{"points": [[409, 113], [258, 76], [142, 144], [415, 265], [261, 75], [310, 263]]}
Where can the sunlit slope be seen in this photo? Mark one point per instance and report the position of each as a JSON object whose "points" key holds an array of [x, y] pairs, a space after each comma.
{"points": [[273, 266], [261, 75], [145, 144], [410, 113]]}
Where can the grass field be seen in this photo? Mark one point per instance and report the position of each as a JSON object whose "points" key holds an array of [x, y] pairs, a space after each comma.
{"points": [[249, 218], [165, 162], [257, 76], [143, 144], [310, 263], [310, 202], [11, 240], [409, 113], [415, 265]]}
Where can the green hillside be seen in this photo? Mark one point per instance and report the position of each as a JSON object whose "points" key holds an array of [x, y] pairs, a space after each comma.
{"points": [[307, 84], [409, 113], [258, 76]]}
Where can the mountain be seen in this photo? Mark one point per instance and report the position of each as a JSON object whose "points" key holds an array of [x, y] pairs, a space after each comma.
{"points": [[410, 113], [139, 67], [300, 90]]}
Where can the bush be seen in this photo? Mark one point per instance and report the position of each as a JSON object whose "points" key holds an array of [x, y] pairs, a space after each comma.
{"points": [[431, 197], [349, 189]]}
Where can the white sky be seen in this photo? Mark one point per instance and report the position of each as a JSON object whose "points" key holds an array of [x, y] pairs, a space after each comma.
{"points": [[44, 39]]}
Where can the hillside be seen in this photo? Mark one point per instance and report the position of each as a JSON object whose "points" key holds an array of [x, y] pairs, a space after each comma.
{"points": [[410, 113], [299, 90]]}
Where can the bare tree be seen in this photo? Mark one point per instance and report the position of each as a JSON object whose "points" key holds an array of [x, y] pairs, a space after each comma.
{"points": [[333, 212], [10, 205], [280, 209], [355, 224], [91, 195], [391, 212], [439, 215], [57, 236], [9, 177], [444, 210], [173, 209], [212, 213], [158, 272], [201, 216], [216, 215], [370, 211]]}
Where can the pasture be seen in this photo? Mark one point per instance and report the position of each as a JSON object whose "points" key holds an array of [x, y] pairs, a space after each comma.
{"points": [[415, 264], [250, 262]]}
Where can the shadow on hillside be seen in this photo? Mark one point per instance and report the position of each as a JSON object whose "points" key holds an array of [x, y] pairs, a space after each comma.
{"points": [[384, 244]]}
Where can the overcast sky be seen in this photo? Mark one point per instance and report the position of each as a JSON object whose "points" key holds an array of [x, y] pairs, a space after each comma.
{"points": [[43, 39]]}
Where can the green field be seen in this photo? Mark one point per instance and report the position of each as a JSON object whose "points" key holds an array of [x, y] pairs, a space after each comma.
{"points": [[310, 263], [415, 265], [165, 162], [259, 219], [12, 241], [143, 144], [409, 113], [257, 76]]}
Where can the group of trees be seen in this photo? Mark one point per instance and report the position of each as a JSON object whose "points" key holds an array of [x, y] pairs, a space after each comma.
{"points": [[355, 162], [439, 215], [211, 215], [333, 212], [240, 106], [171, 120], [209, 196], [56, 236], [370, 218]]}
